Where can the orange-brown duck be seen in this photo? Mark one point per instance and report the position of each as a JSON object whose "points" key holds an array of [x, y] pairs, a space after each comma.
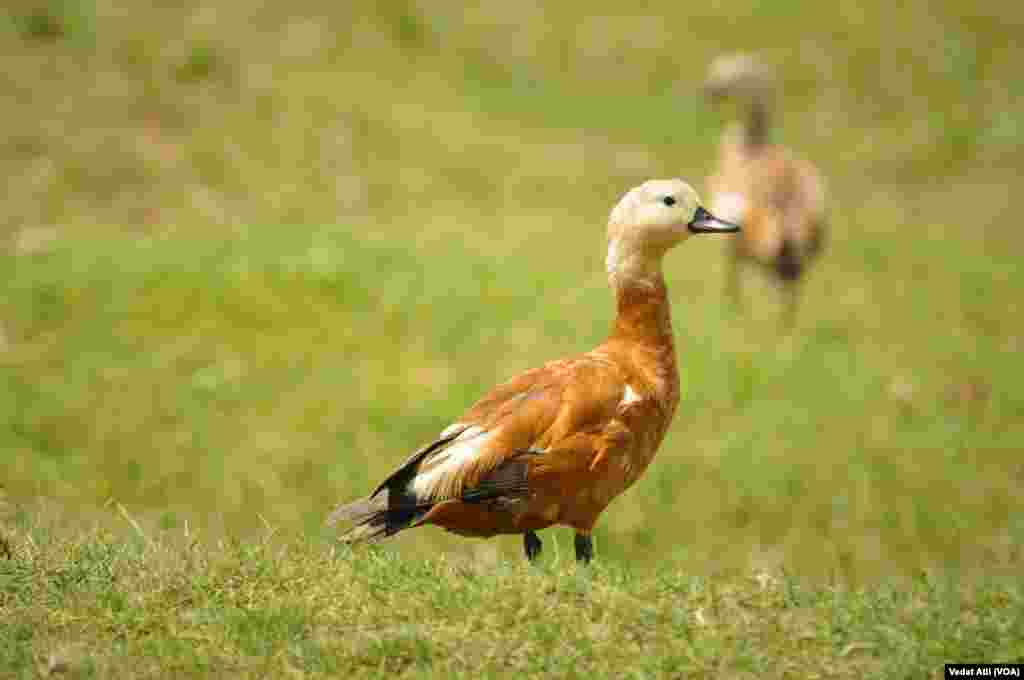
{"points": [[556, 444]]}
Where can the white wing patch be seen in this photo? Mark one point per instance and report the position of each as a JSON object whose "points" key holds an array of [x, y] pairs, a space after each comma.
{"points": [[611, 262], [451, 429], [463, 449], [630, 396], [729, 206]]}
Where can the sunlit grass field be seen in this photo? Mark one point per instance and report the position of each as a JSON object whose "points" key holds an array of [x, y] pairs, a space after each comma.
{"points": [[253, 258], [158, 606]]}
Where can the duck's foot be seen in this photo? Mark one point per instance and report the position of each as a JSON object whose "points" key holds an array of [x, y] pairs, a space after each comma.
{"points": [[734, 287], [532, 545], [789, 313], [584, 548]]}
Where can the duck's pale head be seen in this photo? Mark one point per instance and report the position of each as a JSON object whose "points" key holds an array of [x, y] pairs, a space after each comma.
{"points": [[650, 220], [738, 77]]}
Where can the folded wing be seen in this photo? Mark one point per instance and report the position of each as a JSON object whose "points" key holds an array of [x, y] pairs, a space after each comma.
{"points": [[484, 456]]}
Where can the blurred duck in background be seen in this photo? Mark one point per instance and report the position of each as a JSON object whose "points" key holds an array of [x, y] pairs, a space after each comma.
{"points": [[779, 198]]}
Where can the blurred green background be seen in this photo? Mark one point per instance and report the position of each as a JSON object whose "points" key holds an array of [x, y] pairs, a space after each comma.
{"points": [[255, 255]]}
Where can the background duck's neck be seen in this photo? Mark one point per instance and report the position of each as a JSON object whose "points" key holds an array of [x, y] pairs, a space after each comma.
{"points": [[757, 126]]}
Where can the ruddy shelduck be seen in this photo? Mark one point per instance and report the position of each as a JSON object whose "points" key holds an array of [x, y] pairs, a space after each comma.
{"points": [[779, 198], [556, 444]]}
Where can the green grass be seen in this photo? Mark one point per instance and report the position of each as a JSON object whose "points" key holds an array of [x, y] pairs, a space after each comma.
{"points": [[252, 258], [167, 605]]}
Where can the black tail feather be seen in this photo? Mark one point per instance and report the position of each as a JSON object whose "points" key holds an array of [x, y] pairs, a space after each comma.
{"points": [[390, 508], [377, 517]]}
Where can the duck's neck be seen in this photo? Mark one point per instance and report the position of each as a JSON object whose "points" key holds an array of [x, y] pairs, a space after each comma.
{"points": [[757, 126], [642, 340], [642, 311]]}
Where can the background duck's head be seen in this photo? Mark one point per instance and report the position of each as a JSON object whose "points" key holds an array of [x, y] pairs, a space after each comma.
{"points": [[740, 78]]}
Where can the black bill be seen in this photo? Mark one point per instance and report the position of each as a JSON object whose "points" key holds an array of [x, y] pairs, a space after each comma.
{"points": [[704, 222]]}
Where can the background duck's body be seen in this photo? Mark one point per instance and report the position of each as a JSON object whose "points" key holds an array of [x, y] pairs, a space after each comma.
{"points": [[779, 197], [556, 444]]}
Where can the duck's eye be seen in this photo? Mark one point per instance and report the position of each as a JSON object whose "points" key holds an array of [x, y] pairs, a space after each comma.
{"points": [[669, 200]]}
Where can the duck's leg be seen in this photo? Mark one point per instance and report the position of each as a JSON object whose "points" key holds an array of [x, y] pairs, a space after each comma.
{"points": [[532, 545], [733, 284], [584, 548], [792, 301]]}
